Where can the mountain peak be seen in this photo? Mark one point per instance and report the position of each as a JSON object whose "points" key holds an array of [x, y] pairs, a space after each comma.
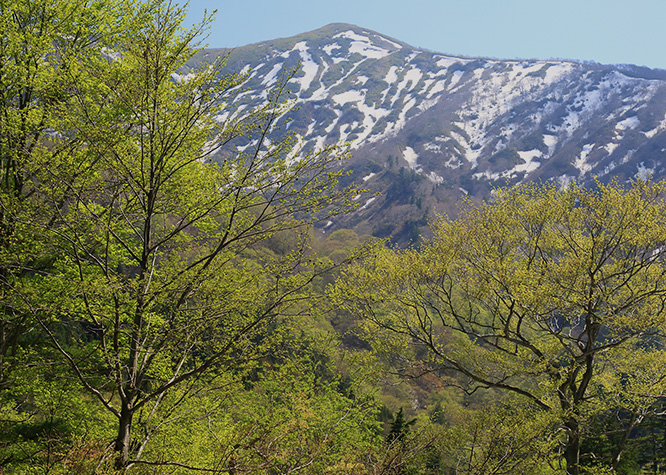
{"points": [[336, 32], [427, 128], [333, 29]]}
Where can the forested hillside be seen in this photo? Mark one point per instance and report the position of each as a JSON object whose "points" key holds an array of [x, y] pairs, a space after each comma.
{"points": [[169, 304]]}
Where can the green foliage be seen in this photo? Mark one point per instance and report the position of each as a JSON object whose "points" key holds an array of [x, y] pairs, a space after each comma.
{"points": [[553, 295], [502, 440], [161, 303], [292, 412], [399, 427], [46, 422], [403, 186], [43, 44], [138, 257]]}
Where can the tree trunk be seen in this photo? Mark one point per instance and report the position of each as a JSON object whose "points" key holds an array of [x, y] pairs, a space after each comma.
{"points": [[122, 446], [633, 422], [572, 449]]}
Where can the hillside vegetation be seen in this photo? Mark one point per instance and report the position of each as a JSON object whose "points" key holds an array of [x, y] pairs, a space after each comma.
{"points": [[177, 294]]}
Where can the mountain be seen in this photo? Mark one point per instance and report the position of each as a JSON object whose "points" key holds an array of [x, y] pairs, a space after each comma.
{"points": [[427, 129]]}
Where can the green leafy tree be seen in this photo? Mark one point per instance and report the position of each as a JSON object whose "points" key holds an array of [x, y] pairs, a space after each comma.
{"points": [[41, 44], [290, 414], [555, 295], [153, 279], [295, 421], [502, 440], [399, 426]]}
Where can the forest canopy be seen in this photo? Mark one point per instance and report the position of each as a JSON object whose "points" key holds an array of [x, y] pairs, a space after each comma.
{"points": [[556, 296], [135, 270], [167, 307]]}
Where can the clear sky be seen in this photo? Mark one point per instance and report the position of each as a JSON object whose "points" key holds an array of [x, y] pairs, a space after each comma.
{"points": [[605, 31]]}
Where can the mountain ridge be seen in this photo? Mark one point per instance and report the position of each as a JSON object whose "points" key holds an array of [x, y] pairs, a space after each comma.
{"points": [[428, 128]]}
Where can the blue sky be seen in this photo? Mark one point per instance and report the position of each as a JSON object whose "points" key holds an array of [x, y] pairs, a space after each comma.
{"points": [[605, 31]]}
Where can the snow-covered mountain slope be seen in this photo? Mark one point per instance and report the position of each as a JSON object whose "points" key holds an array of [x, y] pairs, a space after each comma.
{"points": [[427, 128]]}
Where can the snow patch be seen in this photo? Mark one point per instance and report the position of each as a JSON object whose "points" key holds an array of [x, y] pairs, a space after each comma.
{"points": [[332, 125], [471, 155], [651, 133], [447, 62], [391, 76], [453, 163], [370, 115], [362, 45], [530, 159], [427, 104], [644, 172], [435, 178], [367, 203], [488, 175], [455, 78], [414, 75], [368, 50], [349, 96], [628, 123], [349, 34], [403, 114], [556, 71], [362, 80], [581, 161], [328, 49], [410, 156], [551, 142], [411, 78], [656, 130], [438, 87], [321, 93], [392, 43], [308, 66], [610, 148], [271, 77], [344, 133]]}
